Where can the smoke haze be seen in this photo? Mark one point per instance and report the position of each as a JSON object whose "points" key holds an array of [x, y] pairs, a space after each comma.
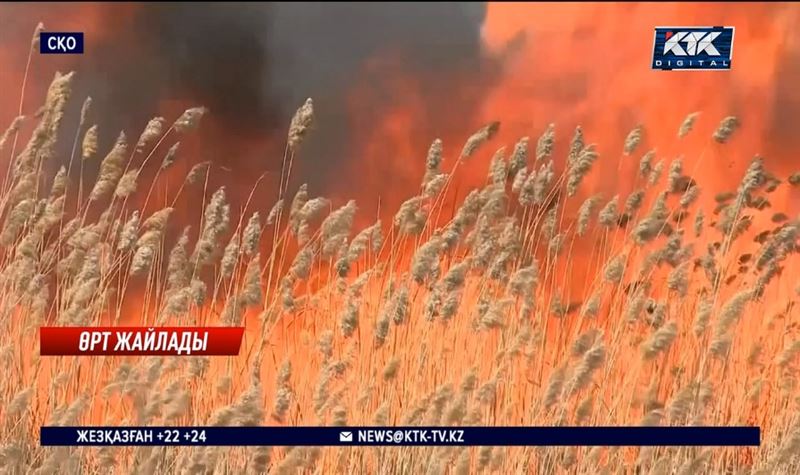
{"points": [[253, 64]]}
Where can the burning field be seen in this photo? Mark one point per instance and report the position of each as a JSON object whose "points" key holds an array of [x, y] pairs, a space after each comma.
{"points": [[587, 243]]}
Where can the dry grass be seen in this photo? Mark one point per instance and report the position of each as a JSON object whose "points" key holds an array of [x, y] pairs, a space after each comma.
{"points": [[472, 319]]}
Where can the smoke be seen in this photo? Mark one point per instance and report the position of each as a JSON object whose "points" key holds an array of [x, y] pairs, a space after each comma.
{"points": [[350, 56], [213, 54], [389, 78], [253, 64]]}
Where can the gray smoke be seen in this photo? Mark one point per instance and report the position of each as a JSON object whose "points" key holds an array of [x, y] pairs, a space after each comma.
{"points": [[252, 65]]}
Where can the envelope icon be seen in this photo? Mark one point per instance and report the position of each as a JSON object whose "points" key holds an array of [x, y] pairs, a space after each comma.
{"points": [[345, 436]]}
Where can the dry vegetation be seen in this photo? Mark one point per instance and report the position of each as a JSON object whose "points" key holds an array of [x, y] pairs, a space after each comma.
{"points": [[437, 318]]}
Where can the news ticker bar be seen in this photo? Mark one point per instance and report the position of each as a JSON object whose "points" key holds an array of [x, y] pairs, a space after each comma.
{"points": [[161, 341], [401, 436]]}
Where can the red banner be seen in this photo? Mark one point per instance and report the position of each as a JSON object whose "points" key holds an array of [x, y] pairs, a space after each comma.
{"points": [[183, 341]]}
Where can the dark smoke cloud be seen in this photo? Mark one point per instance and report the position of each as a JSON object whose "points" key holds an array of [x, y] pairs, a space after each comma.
{"points": [[320, 50], [216, 54], [253, 64]]}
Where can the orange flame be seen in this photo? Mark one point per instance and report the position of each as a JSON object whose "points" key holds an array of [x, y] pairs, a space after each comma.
{"points": [[588, 64]]}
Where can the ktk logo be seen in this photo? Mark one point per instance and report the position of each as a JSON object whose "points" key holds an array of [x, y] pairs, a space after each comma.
{"points": [[693, 48], [696, 42]]}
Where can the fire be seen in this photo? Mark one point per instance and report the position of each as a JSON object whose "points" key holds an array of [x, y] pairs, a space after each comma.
{"points": [[588, 64], [571, 65], [19, 22], [581, 64], [591, 68]]}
